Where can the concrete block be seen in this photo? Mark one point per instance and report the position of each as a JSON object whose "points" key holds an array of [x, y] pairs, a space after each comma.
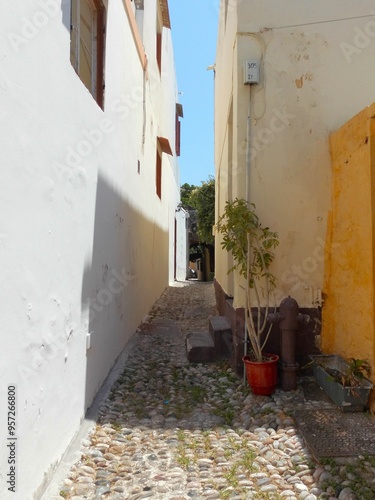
{"points": [[200, 347]]}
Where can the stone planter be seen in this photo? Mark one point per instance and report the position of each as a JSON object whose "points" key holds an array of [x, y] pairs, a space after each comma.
{"points": [[346, 398]]}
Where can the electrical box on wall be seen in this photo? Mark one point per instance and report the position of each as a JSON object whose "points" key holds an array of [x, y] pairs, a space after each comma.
{"points": [[251, 71]]}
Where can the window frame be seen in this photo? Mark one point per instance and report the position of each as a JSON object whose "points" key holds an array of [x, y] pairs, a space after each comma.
{"points": [[159, 166], [162, 21], [159, 39], [162, 146], [98, 29], [179, 114]]}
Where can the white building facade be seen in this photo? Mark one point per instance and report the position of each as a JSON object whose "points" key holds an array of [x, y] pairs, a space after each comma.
{"points": [[89, 236], [272, 137]]}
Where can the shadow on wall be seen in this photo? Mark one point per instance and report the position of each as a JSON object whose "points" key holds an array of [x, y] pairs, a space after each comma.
{"points": [[65, 7], [127, 274]]}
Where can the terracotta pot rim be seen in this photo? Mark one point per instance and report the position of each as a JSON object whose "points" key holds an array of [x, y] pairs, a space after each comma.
{"points": [[274, 358]]}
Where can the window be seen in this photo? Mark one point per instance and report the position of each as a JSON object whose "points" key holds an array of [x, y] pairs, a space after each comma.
{"points": [[158, 172], [159, 41], [162, 146], [162, 20], [87, 38], [139, 15], [179, 114]]}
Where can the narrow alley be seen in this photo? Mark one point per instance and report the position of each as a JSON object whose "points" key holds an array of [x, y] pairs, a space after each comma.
{"points": [[173, 430]]}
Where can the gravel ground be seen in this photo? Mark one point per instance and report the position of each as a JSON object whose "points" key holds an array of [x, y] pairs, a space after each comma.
{"points": [[177, 431]]}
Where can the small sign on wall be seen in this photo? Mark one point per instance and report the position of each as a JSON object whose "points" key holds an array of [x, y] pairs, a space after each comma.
{"points": [[251, 71]]}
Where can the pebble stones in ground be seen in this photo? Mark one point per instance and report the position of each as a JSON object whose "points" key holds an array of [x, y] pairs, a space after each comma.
{"points": [[175, 431]]}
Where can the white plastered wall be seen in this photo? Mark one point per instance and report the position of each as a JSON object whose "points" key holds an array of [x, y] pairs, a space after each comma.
{"points": [[85, 243]]}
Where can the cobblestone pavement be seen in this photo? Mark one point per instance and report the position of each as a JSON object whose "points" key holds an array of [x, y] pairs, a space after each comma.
{"points": [[177, 431]]}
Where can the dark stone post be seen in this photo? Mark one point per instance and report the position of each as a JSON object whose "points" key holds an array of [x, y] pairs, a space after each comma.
{"points": [[289, 320]]}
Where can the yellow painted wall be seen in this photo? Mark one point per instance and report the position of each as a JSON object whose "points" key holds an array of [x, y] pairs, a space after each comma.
{"points": [[348, 312]]}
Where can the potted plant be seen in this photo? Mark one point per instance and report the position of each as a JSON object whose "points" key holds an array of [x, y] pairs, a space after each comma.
{"points": [[251, 245], [344, 381]]}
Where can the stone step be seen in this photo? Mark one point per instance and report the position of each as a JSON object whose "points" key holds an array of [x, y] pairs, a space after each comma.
{"points": [[222, 337], [200, 347]]}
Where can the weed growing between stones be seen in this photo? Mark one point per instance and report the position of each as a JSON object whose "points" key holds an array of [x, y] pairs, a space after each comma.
{"points": [[116, 426], [168, 424], [176, 392], [267, 496], [235, 458], [226, 414], [173, 391], [358, 477], [231, 476], [182, 458]]}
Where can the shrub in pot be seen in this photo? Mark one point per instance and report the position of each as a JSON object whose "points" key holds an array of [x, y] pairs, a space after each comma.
{"points": [[252, 245]]}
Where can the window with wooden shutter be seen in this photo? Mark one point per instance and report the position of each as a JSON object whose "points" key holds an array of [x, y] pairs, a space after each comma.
{"points": [[162, 20], [87, 42], [179, 114]]}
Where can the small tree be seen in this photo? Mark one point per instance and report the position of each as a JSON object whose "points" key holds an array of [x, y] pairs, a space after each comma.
{"points": [[251, 245], [202, 198], [185, 193]]}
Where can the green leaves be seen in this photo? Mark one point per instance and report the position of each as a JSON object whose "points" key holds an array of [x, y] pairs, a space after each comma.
{"points": [[357, 370], [252, 247], [202, 199], [185, 193], [238, 223]]}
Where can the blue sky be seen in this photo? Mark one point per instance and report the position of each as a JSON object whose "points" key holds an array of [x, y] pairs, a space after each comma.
{"points": [[194, 31]]}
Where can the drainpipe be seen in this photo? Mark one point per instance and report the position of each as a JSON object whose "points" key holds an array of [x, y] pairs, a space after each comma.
{"points": [[248, 148], [247, 194], [259, 39], [289, 320]]}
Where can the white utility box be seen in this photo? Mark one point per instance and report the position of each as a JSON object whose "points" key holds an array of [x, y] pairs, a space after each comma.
{"points": [[251, 71]]}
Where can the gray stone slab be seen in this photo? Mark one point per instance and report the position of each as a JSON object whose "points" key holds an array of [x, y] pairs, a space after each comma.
{"points": [[200, 347], [220, 323], [200, 312], [161, 327]]}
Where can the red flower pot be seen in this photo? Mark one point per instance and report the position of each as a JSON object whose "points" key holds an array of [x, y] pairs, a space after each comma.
{"points": [[262, 375]]}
